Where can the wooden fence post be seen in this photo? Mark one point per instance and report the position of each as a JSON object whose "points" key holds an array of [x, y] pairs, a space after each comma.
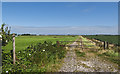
{"points": [[81, 43], [106, 45], [13, 48], [0, 52]]}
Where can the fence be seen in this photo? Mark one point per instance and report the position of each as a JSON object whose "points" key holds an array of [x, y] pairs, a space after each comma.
{"points": [[80, 44], [103, 44]]}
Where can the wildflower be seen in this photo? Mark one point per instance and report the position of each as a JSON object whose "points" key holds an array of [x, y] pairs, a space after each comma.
{"points": [[29, 54], [6, 71], [19, 52], [43, 50], [6, 41]]}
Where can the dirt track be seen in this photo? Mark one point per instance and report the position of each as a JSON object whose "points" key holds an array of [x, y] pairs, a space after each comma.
{"points": [[90, 63]]}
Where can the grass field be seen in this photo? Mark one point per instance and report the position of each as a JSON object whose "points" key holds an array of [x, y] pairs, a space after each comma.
{"points": [[22, 42], [113, 39]]}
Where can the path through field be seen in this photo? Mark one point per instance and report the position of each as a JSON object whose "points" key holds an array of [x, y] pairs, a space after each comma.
{"points": [[89, 63]]}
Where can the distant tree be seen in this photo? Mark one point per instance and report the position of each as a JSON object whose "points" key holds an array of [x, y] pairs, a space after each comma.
{"points": [[5, 33], [25, 34], [28, 34]]}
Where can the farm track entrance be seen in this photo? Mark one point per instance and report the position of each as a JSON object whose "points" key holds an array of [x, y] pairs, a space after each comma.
{"points": [[90, 63], [79, 44]]}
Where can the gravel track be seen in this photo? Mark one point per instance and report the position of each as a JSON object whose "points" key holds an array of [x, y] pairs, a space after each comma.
{"points": [[90, 63]]}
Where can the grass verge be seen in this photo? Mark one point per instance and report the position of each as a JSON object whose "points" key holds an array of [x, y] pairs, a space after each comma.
{"points": [[110, 55]]}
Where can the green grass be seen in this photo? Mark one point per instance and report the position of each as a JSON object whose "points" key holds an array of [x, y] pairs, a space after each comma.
{"points": [[87, 43], [113, 39], [30, 54], [111, 55], [32, 58], [22, 42]]}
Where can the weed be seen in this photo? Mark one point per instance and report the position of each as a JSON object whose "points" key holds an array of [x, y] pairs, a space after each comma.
{"points": [[79, 54]]}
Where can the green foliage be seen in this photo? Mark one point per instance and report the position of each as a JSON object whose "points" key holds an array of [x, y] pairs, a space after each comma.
{"points": [[80, 54], [114, 39], [34, 59], [111, 55], [6, 36], [34, 45]]}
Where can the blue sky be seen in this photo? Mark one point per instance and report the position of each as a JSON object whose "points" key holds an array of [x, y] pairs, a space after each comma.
{"points": [[60, 0], [61, 17]]}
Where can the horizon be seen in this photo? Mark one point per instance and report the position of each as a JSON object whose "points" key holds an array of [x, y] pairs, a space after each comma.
{"points": [[63, 34]]}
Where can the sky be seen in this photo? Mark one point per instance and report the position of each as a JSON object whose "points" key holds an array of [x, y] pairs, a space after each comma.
{"points": [[61, 17], [60, 0]]}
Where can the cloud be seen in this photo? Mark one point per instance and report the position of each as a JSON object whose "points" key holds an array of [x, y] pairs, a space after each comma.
{"points": [[66, 30]]}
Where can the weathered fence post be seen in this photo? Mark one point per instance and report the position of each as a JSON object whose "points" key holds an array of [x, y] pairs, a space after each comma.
{"points": [[13, 48], [81, 43], [0, 52], [106, 45]]}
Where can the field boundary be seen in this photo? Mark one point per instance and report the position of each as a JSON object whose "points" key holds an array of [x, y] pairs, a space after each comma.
{"points": [[103, 44]]}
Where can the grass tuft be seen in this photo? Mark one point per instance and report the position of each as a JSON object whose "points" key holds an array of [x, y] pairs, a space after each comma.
{"points": [[80, 54]]}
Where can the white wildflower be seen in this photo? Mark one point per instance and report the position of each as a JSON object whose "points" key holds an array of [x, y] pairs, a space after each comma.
{"points": [[19, 52], [6, 71], [6, 41], [43, 50], [66, 47], [29, 54]]}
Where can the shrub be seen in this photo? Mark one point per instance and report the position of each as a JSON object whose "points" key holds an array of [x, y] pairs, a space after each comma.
{"points": [[36, 56]]}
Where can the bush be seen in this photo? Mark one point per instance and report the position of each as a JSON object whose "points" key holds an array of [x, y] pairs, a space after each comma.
{"points": [[36, 56]]}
